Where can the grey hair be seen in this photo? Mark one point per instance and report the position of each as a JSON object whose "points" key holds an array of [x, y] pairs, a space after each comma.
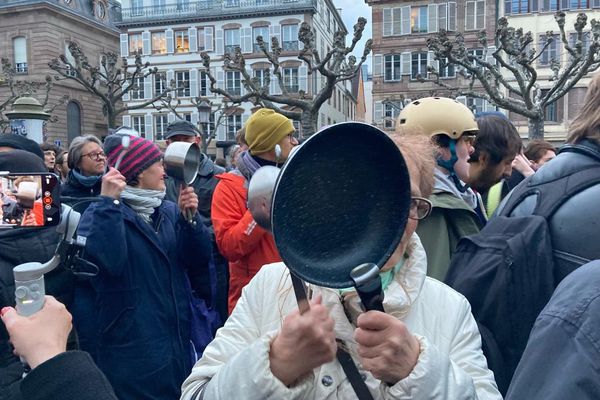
{"points": [[76, 149]]}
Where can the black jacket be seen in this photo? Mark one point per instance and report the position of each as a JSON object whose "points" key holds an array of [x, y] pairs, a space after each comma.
{"points": [[21, 245], [562, 358], [67, 376], [575, 226], [73, 188]]}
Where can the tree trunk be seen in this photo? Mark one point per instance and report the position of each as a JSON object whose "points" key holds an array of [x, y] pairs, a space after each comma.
{"points": [[309, 121], [536, 128], [111, 119]]}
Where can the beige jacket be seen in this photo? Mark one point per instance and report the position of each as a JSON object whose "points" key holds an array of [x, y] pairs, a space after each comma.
{"points": [[451, 364]]}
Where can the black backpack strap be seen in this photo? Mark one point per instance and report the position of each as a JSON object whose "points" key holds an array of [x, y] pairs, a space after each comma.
{"points": [[552, 194], [351, 371]]}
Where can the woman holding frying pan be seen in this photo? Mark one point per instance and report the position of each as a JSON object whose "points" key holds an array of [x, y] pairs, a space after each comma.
{"points": [[425, 346]]}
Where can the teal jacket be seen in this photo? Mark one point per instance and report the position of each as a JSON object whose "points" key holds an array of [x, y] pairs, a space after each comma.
{"points": [[451, 218]]}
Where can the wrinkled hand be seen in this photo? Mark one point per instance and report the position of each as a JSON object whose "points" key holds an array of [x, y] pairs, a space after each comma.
{"points": [[113, 184], [386, 347], [41, 336], [305, 341], [523, 165], [188, 201]]}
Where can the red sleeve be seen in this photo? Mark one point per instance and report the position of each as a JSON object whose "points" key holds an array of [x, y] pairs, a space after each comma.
{"points": [[236, 232]]}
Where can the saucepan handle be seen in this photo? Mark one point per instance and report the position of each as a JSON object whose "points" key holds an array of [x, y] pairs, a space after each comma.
{"points": [[368, 286]]}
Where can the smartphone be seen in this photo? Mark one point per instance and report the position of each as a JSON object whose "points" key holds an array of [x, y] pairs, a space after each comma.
{"points": [[29, 200]]}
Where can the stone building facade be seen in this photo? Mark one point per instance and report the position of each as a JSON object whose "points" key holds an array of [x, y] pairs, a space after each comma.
{"points": [[33, 32], [400, 32], [171, 35]]}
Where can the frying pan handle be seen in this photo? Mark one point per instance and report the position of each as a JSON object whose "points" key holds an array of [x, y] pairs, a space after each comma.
{"points": [[300, 292], [368, 286]]}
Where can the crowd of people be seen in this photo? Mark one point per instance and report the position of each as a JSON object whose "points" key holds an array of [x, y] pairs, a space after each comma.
{"points": [[141, 323]]}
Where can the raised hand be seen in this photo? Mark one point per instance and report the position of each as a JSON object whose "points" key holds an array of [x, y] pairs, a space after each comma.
{"points": [[113, 183], [386, 347], [188, 201], [305, 341]]}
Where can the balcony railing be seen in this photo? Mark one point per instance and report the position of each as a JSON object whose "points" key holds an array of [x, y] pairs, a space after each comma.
{"points": [[210, 9]]}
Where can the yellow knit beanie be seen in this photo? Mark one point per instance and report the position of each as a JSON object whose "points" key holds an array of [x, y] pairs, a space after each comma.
{"points": [[264, 129]]}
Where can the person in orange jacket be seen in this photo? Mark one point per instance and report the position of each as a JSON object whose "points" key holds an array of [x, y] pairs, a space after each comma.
{"points": [[246, 245]]}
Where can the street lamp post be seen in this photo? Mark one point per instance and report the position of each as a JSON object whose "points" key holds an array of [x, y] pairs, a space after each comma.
{"points": [[27, 118]]}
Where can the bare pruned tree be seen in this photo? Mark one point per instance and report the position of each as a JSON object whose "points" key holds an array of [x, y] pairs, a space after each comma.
{"points": [[202, 129], [109, 81], [18, 88], [506, 75], [336, 66]]}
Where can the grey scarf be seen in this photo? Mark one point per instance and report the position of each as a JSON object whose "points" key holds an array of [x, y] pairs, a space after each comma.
{"points": [[143, 201]]}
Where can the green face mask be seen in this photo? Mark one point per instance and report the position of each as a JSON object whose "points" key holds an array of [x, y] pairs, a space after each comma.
{"points": [[386, 277]]}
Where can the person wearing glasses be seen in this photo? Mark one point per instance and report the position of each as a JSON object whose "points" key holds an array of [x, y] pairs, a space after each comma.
{"points": [[87, 164], [425, 346], [457, 210]]}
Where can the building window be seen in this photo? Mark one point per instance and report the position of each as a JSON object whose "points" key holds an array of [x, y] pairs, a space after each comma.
{"points": [[232, 40], [233, 83], [138, 124], [548, 5], [203, 83], [261, 77], [552, 52], [135, 44], [516, 6], [585, 42], [390, 113], [551, 111], [209, 128], [392, 67], [20, 51], [137, 90], [70, 71], [160, 126], [290, 79], [233, 125], [158, 5], [160, 82], [418, 19], [418, 65], [477, 53], [137, 7], [159, 43], [182, 42], [446, 70], [290, 37], [201, 40], [475, 15], [182, 82], [578, 4], [260, 31], [232, 3], [183, 5]]}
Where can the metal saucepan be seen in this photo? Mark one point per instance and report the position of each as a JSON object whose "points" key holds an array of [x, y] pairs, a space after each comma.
{"points": [[182, 161]]}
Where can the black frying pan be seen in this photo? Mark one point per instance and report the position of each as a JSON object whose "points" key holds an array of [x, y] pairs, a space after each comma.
{"points": [[342, 199]]}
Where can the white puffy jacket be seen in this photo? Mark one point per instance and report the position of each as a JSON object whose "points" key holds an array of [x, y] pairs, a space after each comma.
{"points": [[451, 364]]}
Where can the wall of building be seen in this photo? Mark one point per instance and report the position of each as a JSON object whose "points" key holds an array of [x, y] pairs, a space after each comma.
{"points": [[46, 30]]}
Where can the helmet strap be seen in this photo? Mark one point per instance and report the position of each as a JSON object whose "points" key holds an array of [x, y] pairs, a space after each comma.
{"points": [[449, 166]]}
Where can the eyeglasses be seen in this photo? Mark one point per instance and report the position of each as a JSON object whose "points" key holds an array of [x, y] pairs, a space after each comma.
{"points": [[420, 208], [95, 155], [469, 138]]}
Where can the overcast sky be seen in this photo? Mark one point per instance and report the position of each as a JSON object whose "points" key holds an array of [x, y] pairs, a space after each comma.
{"points": [[351, 10]]}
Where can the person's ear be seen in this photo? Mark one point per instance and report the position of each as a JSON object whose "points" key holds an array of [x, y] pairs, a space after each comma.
{"points": [[198, 140]]}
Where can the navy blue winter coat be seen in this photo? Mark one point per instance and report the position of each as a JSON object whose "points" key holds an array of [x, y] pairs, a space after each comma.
{"points": [[141, 312], [562, 357]]}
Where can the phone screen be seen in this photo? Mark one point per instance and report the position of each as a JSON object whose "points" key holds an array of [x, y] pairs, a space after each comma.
{"points": [[29, 200]]}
